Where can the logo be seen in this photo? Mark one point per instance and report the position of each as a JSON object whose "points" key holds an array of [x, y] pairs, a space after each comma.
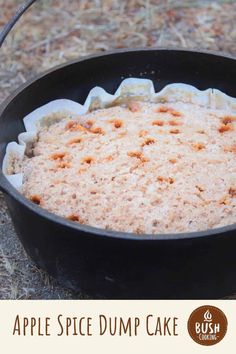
{"points": [[207, 325]]}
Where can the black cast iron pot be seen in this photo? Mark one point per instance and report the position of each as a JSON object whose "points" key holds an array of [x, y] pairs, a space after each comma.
{"points": [[112, 264]]}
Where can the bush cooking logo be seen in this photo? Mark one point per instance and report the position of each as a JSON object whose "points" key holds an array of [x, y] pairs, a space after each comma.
{"points": [[207, 325]]}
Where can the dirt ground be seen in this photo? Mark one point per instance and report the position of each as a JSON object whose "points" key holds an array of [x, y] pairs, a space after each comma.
{"points": [[54, 31]]}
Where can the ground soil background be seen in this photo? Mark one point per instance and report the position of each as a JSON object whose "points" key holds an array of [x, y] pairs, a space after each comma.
{"points": [[54, 31]]}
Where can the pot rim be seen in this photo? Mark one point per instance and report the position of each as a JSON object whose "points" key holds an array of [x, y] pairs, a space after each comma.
{"points": [[86, 229]]}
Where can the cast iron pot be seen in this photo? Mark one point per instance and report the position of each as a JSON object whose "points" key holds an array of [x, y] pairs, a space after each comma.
{"points": [[106, 264]]}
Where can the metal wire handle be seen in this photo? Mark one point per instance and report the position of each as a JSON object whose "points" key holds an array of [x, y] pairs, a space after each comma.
{"points": [[20, 11]]}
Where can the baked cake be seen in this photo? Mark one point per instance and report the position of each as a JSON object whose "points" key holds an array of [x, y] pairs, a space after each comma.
{"points": [[140, 167]]}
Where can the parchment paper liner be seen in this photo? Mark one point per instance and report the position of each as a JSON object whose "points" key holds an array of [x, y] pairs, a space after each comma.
{"points": [[142, 89]]}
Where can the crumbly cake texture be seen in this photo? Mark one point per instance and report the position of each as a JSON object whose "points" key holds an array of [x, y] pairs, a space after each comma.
{"points": [[141, 167]]}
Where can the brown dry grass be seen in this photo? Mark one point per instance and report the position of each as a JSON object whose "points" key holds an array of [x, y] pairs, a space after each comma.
{"points": [[53, 32]]}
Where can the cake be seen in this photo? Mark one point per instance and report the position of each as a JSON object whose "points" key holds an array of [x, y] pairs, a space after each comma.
{"points": [[139, 166]]}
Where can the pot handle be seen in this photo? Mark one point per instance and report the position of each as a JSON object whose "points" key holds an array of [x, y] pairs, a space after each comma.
{"points": [[20, 11], [4, 184]]}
